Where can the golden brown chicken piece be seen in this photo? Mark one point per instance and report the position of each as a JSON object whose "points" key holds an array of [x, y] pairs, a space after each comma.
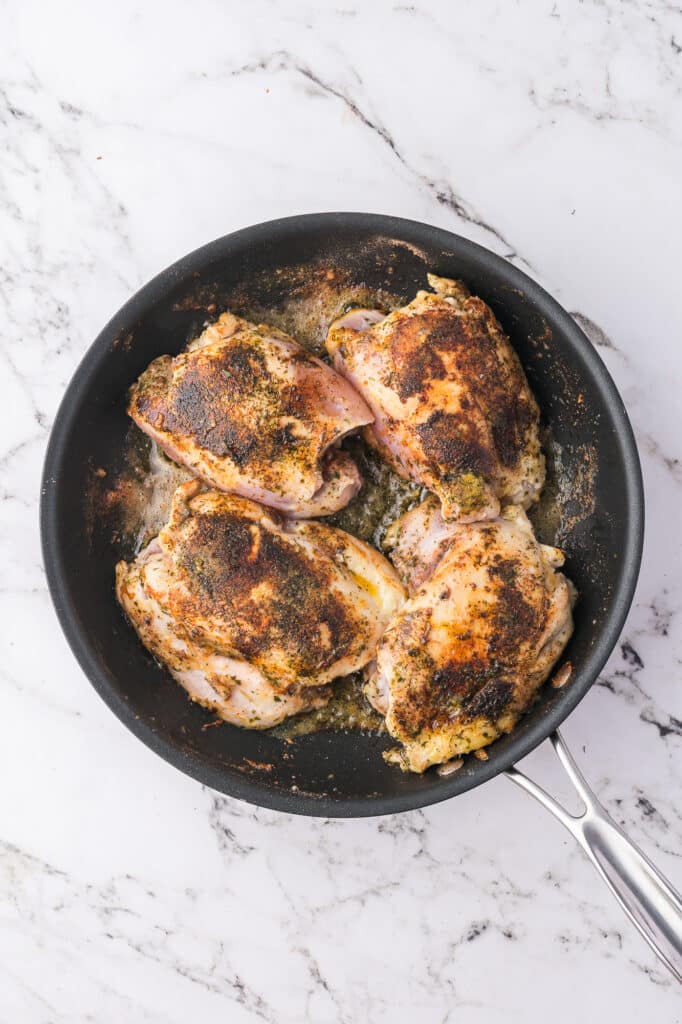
{"points": [[237, 691], [452, 407], [252, 613], [248, 410], [487, 618]]}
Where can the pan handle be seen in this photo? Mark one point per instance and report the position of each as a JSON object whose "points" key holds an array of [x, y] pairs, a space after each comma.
{"points": [[648, 899]]}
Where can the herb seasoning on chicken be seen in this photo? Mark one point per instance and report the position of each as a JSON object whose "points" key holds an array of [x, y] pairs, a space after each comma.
{"points": [[252, 613], [248, 410], [257, 612], [451, 404], [487, 618]]}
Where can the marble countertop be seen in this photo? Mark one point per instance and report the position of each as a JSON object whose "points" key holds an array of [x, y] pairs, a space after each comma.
{"points": [[132, 133]]}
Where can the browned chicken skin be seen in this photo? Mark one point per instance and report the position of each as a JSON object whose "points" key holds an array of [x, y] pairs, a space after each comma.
{"points": [[254, 613], [249, 411], [487, 618], [451, 404]]}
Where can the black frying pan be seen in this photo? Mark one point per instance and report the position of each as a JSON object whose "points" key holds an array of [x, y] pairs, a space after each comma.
{"points": [[600, 521]]}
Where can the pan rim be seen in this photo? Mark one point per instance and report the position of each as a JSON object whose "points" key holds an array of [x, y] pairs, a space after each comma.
{"points": [[229, 781]]}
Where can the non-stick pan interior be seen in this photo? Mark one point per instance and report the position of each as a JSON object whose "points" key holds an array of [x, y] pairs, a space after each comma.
{"points": [[595, 513]]}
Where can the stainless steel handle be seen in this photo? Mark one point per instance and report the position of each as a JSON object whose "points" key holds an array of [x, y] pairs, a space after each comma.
{"points": [[648, 899]]}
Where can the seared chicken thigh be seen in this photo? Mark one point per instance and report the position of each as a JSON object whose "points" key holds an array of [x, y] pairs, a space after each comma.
{"points": [[451, 404], [487, 618], [249, 411], [236, 690], [253, 613]]}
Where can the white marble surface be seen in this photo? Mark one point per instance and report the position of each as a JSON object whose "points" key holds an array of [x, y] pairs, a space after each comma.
{"points": [[132, 133]]}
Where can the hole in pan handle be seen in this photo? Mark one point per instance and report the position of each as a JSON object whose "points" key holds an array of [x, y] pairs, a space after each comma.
{"points": [[649, 900]]}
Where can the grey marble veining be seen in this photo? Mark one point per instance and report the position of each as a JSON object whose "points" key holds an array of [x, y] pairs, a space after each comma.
{"points": [[549, 132]]}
